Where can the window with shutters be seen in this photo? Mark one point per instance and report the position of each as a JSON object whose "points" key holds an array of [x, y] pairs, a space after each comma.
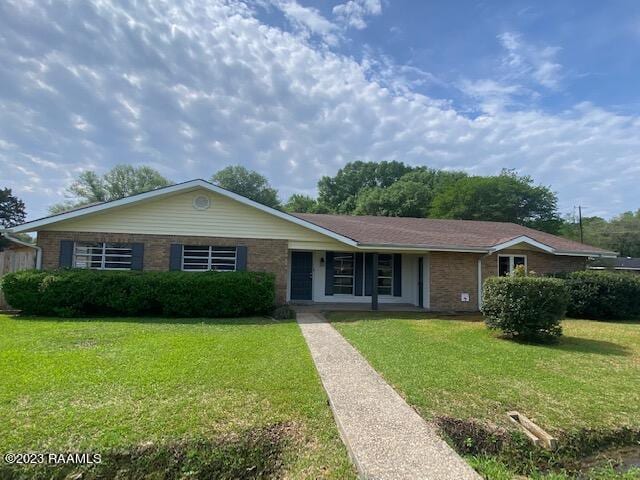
{"points": [[385, 274], [102, 256], [343, 270], [202, 258]]}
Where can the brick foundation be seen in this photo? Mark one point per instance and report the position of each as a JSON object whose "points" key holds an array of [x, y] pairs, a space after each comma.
{"points": [[262, 255]]}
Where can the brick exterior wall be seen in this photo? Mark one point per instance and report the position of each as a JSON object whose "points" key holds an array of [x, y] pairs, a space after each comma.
{"points": [[455, 273], [262, 255], [539, 262], [451, 274]]}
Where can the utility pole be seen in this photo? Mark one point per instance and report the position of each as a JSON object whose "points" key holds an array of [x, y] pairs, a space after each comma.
{"points": [[580, 222]]}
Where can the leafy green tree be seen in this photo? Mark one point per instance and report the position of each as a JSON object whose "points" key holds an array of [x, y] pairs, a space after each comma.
{"points": [[623, 234], [620, 234], [247, 183], [121, 181], [12, 212], [298, 203], [504, 198], [339, 193], [410, 196], [12, 209]]}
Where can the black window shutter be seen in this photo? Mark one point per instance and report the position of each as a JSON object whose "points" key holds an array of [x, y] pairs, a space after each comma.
{"points": [[328, 273], [359, 273], [397, 275], [369, 274], [66, 253], [175, 256], [241, 258], [137, 256]]}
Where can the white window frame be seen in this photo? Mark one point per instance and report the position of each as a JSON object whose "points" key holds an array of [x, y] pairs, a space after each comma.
{"points": [[352, 276], [511, 264], [101, 251], [211, 258]]}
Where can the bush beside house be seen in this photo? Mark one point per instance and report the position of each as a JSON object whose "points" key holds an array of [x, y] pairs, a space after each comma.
{"points": [[87, 292], [529, 308], [603, 295]]}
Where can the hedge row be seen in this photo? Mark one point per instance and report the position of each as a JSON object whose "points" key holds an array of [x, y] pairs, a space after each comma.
{"points": [[529, 308], [603, 295], [179, 294]]}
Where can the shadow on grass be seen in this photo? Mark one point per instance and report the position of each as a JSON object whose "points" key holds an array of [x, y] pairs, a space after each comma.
{"points": [[587, 345], [355, 316], [157, 320]]}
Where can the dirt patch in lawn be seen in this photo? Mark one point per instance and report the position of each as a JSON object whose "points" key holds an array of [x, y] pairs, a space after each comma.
{"points": [[252, 454], [577, 451]]}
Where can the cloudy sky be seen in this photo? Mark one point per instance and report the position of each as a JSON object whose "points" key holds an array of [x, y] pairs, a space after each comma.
{"points": [[295, 89]]}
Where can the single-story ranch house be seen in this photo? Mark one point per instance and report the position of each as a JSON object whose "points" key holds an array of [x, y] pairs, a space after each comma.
{"points": [[197, 226]]}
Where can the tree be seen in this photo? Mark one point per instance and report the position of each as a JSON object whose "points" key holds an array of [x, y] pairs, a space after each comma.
{"points": [[504, 198], [620, 234], [121, 181], [247, 183], [623, 234], [410, 196], [298, 203], [339, 194], [12, 209]]}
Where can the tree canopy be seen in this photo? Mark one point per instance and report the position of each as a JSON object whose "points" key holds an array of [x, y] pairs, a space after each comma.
{"points": [[119, 182], [620, 234], [12, 209], [339, 193], [503, 198], [410, 196], [248, 183], [298, 203]]}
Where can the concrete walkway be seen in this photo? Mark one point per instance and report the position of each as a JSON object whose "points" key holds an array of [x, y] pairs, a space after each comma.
{"points": [[385, 437]]}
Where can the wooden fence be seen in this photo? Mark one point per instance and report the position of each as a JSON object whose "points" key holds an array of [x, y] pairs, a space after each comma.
{"points": [[13, 260]]}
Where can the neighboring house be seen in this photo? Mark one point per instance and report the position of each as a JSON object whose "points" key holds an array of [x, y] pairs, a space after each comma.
{"points": [[622, 264], [197, 226], [15, 255]]}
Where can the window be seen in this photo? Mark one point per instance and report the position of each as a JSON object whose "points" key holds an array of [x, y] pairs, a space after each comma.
{"points": [[202, 258], [343, 267], [385, 274], [102, 256], [507, 263]]}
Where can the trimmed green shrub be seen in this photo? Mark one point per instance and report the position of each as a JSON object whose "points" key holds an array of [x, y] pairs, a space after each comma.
{"points": [[180, 294], [603, 295], [529, 308]]}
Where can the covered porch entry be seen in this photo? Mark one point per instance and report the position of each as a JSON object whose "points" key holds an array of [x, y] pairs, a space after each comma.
{"points": [[359, 280]]}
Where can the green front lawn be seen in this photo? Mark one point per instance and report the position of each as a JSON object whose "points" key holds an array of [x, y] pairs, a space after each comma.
{"points": [[461, 369], [237, 397], [458, 368]]}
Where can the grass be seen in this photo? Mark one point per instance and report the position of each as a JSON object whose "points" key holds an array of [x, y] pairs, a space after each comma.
{"points": [[222, 391], [461, 369], [585, 389]]}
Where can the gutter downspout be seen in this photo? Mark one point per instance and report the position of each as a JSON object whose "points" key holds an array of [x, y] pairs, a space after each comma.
{"points": [[480, 278]]}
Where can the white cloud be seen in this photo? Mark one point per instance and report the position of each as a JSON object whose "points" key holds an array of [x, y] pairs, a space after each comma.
{"points": [[528, 61], [225, 88], [309, 19], [354, 12]]}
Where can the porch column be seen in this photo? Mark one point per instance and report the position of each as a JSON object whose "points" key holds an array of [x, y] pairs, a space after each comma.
{"points": [[374, 282]]}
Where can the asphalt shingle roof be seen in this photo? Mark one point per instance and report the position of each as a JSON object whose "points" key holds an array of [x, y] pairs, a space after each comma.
{"points": [[431, 232]]}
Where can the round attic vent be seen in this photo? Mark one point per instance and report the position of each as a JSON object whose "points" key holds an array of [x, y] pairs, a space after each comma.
{"points": [[201, 202]]}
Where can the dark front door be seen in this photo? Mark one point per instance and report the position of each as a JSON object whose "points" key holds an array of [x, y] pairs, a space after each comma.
{"points": [[301, 275]]}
